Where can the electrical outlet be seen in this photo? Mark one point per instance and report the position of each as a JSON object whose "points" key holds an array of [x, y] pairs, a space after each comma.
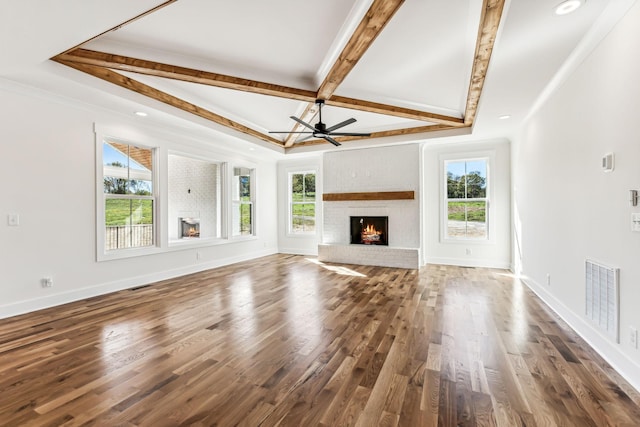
{"points": [[548, 279], [468, 251], [47, 282], [633, 337]]}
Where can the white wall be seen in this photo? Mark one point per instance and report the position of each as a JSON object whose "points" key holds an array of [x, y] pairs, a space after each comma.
{"points": [[566, 209], [494, 252], [48, 178], [302, 244]]}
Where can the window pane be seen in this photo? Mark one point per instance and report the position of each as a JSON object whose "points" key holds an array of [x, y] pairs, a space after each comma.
{"points": [[297, 187], [303, 217], [242, 187], [140, 159], [455, 180], [476, 220], [476, 179], [128, 223], [245, 219], [310, 187], [115, 155], [126, 169], [242, 219], [114, 185], [467, 220]]}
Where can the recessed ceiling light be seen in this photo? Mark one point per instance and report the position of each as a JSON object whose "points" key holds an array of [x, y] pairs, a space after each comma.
{"points": [[252, 149], [141, 114], [568, 6], [505, 116]]}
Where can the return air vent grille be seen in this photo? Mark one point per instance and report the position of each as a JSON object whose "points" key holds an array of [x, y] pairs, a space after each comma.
{"points": [[602, 297]]}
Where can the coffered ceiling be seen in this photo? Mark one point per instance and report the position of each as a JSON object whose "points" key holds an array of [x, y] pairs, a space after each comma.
{"points": [[404, 69]]}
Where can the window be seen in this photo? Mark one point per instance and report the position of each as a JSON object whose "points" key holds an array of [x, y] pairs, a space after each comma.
{"points": [[466, 199], [129, 198], [302, 202], [242, 202]]}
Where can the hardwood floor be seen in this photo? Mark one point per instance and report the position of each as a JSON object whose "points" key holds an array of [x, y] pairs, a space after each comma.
{"points": [[286, 340]]}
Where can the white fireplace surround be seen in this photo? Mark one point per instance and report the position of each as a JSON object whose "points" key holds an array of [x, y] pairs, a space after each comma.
{"points": [[386, 169], [403, 250]]}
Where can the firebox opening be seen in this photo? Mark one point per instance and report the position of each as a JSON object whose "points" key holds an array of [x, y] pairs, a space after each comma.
{"points": [[370, 230], [189, 228]]}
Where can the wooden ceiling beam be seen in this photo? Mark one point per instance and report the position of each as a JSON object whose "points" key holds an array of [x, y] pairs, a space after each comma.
{"points": [[489, 23], [148, 91], [174, 72], [310, 111], [391, 110], [376, 18], [386, 133]]}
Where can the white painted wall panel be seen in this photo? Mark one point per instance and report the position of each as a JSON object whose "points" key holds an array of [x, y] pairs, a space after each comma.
{"points": [[566, 209]]}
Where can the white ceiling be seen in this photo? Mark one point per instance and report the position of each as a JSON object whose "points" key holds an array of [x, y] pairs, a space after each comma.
{"points": [[421, 60]]}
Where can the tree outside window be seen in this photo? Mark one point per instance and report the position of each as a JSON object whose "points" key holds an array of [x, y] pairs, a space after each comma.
{"points": [[302, 197], [466, 199]]}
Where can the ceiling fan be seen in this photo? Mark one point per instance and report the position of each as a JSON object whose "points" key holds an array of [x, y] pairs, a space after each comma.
{"points": [[320, 130]]}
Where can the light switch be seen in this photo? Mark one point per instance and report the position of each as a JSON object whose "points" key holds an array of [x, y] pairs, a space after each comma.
{"points": [[635, 221], [13, 219]]}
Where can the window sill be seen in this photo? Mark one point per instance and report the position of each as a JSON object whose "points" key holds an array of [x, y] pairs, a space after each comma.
{"points": [[128, 253]]}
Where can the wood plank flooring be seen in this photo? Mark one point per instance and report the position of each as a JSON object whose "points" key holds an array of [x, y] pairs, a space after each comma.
{"points": [[286, 340]]}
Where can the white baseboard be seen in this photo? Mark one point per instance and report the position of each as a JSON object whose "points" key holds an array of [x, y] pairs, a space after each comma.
{"points": [[610, 351], [464, 262], [35, 304], [297, 251]]}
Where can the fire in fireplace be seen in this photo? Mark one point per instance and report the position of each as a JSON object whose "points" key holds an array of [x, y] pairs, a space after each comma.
{"points": [[189, 228], [369, 230]]}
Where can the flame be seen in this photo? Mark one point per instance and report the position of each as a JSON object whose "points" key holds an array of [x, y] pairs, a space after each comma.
{"points": [[370, 229]]}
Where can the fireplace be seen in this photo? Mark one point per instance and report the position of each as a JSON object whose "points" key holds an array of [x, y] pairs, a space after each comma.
{"points": [[370, 230], [189, 228]]}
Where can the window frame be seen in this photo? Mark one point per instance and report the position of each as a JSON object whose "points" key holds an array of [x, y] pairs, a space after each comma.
{"points": [[291, 203], [102, 254], [489, 158], [237, 203]]}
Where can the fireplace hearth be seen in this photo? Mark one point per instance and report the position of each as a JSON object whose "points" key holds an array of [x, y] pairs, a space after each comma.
{"points": [[370, 230]]}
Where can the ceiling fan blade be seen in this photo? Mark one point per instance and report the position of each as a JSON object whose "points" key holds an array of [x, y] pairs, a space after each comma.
{"points": [[304, 139], [350, 134], [341, 124], [288, 131], [303, 123], [331, 140]]}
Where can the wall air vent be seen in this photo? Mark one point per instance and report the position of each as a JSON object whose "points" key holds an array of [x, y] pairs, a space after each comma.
{"points": [[602, 297]]}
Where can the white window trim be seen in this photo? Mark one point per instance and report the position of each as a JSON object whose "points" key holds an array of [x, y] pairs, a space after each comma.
{"points": [[162, 147], [101, 253], [290, 202], [232, 202], [490, 157]]}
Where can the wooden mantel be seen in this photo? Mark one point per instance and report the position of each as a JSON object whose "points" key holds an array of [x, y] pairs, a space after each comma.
{"points": [[372, 195]]}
